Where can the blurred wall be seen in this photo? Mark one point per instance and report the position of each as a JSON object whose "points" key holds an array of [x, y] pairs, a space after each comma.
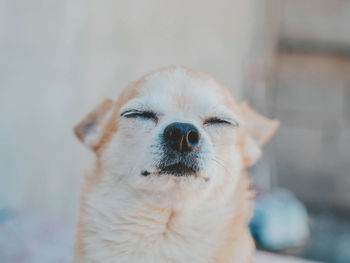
{"points": [[311, 97], [59, 58]]}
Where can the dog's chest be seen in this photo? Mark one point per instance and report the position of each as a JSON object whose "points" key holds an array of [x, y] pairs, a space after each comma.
{"points": [[136, 233]]}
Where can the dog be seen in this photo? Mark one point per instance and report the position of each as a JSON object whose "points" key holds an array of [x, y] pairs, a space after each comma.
{"points": [[170, 181]]}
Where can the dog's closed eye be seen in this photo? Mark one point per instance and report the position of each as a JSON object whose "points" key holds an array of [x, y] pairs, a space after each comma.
{"points": [[139, 114], [221, 121]]}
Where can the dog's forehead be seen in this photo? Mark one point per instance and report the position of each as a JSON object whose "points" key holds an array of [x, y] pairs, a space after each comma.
{"points": [[180, 88]]}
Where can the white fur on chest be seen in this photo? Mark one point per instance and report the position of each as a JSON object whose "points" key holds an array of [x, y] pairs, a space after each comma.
{"points": [[121, 228]]}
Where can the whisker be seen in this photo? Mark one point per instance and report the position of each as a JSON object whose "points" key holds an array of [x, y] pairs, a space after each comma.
{"points": [[220, 162], [220, 188]]}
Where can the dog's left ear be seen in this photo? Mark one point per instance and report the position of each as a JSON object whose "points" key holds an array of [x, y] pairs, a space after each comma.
{"points": [[260, 130], [90, 129]]}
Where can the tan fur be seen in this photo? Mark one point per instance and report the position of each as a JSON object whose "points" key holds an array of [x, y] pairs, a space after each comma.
{"points": [[238, 237], [92, 179], [236, 241]]}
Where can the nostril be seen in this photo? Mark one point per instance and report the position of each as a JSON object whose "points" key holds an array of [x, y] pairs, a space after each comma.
{"points": [[192, 138]]}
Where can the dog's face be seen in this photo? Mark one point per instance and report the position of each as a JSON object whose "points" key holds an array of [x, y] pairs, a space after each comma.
{"points": [[173, 132]]}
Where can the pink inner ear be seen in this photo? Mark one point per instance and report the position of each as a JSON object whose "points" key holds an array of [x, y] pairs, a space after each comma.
{"points": [[87, 127]]}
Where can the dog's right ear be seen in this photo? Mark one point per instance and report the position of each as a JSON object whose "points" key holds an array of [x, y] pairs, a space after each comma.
{"points": [[90, 130], [259, 131]]}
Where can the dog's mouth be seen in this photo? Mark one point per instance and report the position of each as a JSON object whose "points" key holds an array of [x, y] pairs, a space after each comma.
{"points": [[178, 169]]}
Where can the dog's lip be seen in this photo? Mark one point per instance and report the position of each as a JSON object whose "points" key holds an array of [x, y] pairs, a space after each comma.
{"points": [[178, 169]]}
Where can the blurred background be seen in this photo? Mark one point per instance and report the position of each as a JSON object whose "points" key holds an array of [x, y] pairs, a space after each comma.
{"points": [[289, 58]]}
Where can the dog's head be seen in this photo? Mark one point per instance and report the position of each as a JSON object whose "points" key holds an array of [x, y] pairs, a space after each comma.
{"points": [[174, 131]]}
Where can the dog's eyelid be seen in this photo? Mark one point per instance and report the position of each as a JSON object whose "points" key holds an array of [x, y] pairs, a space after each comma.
{"points": [[133, 113], [220, 120], [233, 122], [129, 112], [221, 112]]}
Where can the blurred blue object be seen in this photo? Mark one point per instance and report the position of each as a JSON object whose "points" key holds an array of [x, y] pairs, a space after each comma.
{"points": [[280, 221]]}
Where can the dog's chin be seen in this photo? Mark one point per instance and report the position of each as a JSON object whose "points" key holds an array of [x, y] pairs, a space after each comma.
{"points": [[178, 169]]}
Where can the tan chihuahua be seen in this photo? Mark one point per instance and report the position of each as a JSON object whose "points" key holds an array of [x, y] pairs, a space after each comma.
{"points": [[170, 181]]}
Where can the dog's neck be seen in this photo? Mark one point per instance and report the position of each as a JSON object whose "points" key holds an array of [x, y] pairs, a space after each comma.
{"points": [[126, 205], [121, 224]]}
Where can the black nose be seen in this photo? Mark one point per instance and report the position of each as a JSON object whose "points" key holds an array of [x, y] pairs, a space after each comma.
{"points": [[182, 137]]}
